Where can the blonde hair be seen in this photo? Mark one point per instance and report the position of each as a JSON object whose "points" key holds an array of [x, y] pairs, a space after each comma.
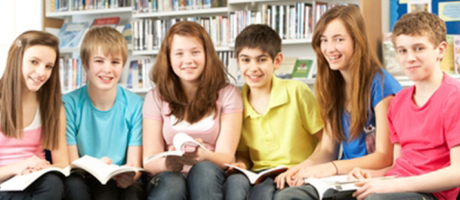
{"points": [[330, 85], [49, 95], [108, 39]]}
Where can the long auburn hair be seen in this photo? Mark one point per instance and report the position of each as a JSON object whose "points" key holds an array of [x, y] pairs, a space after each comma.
{"points": [[48, 96], [213, 78], [330, 85]]}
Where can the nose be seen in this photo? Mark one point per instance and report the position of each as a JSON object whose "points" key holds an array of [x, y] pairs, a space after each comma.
{"points": [[330, 47], [253, 66], [40, 71], [187, 59], [410, 56]]}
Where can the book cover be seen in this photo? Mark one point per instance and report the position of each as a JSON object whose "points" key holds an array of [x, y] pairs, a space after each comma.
{"points": [[257, 177], [286, 68], [127, 33], [302, 68], [108, 21], [71, 33]]}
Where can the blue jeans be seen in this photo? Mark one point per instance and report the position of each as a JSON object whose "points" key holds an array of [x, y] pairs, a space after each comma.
{"points": [[49, 186], [167, 185], [82, 185], [236, 187], [205, 180]]}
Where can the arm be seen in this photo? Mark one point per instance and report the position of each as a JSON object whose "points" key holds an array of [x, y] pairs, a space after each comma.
{"points": [[382, 157], [134, 158], [60, 155], [153, 143], [26, 166], [439, 180]]}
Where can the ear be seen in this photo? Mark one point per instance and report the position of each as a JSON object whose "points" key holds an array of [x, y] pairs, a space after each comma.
{"points": [[442, 50], [85, 67], [278, 60]]}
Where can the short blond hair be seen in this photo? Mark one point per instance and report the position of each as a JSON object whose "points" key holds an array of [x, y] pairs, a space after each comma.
{"points": [[421, 24], [109, 39]]}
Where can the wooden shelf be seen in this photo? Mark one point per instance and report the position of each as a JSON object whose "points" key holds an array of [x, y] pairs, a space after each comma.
{"points": [[197, 12], [89, 12]]}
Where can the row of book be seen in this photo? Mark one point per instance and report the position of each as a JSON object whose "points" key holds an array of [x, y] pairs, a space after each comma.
{"points": [[148, 33], [75, 5], [71, 73], [149, 6], [71, 33], [138, 74]]}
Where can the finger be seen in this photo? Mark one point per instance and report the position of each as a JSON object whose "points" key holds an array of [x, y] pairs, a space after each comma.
{"points": [[107, 160], [171, 148], [368, 175], [299, 182]]}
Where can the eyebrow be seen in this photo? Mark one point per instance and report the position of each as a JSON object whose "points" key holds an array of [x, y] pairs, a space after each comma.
{"points": [[193, 48], [336, 35], [416, 44], [36, 58], [259, 56]]}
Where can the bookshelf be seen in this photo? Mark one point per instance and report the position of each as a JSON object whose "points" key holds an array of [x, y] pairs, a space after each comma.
{"points": [[298, 47]]}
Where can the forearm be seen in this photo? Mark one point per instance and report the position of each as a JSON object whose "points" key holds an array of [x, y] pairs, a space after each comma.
{"points": [[219, 158], [374, 161], [6, 172], [156, 166], [319, 157], [442, 179]]}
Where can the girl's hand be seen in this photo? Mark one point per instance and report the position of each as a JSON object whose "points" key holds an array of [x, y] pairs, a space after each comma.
{"points": [[194, 157], [317, 171], [287, 177], [30, 165], [360, 174]]}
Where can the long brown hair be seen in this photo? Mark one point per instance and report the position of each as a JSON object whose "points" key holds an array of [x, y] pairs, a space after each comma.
{"points": [[49, 95], [213, 78], [330, 85]]}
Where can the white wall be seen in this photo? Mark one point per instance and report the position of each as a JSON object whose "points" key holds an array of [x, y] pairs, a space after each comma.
{"points": [[14, 20]]}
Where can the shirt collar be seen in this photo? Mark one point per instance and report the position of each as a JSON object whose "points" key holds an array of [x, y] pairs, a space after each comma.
{"points": [[278, 97]]}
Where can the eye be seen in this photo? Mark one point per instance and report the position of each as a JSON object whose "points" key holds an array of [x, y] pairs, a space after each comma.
{"points": [[115, 62], [418, 48], [99, 61], [196, 52], [178, 54], [49, 66], [262, 59], [339, 40], [400, 51], [244, 60], [323, 40], [34, 62]]}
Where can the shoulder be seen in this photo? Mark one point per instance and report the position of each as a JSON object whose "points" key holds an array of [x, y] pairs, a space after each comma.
{"points": [[128, 97], [296, 88], [230, 89], [384, 78], [403, 96], [452, 86], [75, 97]]}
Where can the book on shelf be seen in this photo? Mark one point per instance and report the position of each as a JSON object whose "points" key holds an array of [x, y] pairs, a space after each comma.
{"points": [[457, 54], [182, 143], [96, 167], [106, 21], [257, 177], [78, 5], [71, 33], [390, 61], [303, 68], [127, 33], [286, 68], [447, 63], [151, 6], [336, 187]]}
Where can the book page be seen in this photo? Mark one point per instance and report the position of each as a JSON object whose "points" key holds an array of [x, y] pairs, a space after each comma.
{"points": [[255, 178], [19, 183]]}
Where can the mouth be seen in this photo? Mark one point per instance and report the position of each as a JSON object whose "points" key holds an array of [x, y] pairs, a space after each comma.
{"points": [[106, 79], [254, 77], [334, 58], [412, 67], [36, 81], [188, 69]]}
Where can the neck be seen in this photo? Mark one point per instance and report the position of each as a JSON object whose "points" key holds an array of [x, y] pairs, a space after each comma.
{"points": [[102, 100], [429, 85], [189, 90], [28, 96], [261, 92]]}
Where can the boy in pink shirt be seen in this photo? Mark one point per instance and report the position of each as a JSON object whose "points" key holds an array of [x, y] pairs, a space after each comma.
{"points": [[424, 119]]}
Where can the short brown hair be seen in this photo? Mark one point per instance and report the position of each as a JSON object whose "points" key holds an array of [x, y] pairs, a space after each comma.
{"points": [[421, 24], [259, 36], [109, 39]]}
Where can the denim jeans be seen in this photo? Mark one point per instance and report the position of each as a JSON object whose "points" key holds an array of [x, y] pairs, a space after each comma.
{"points": [[205, 181], [47, 187], [401, 196], [84, 186], [236, 187], [167, 185], [263, 191]]}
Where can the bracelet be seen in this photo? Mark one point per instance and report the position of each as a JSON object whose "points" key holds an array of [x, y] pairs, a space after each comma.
{"points": [[336, 169]]}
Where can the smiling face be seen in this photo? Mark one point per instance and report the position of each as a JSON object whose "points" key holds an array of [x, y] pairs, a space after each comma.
{"points": [[187, 58], [418, 57], [337, 45], [104, 70], [257, 67], [37, 65]]}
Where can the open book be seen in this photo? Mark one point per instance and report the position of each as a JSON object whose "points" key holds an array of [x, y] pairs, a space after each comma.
{"points": [[96, 167], [255, 178], [335, 186], [182, 143]]}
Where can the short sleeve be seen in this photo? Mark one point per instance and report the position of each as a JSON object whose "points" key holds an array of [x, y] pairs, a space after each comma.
{"points": [[231, 100], [452, 119], [71, 127], [136, 123], [394, 138], [152, 108], [309, 110], [382, 89]]}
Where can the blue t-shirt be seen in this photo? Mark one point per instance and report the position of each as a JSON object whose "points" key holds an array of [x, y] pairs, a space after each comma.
{"points": [[103, 133], [390, 86]]}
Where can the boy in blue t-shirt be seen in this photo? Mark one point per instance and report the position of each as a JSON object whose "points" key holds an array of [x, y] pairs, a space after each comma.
{"points": [[104, 120]]}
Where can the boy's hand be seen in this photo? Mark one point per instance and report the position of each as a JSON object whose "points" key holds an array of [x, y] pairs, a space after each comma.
{"points": [[194, 157], [368, 187], [126, 179], [107, 160], [360, 174], [231, 170], [172, 162], [30, 165], [287, 177]]}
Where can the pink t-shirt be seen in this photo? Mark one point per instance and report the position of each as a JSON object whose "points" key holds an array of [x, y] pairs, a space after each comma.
{"points": [[208, 129], [426, 134], [14, 150]]}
